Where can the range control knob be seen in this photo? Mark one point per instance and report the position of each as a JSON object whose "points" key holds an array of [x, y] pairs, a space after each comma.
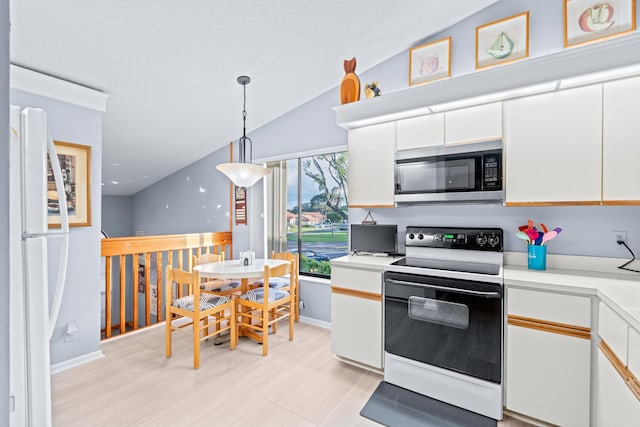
{"points": [[420, 236], [411, 236], [494, 240], [481, 239]]}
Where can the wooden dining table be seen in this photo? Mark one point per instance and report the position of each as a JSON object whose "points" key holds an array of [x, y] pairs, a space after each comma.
{"points": [[235, 270]]}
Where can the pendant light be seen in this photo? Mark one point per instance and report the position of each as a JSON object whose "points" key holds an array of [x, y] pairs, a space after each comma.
{"points": [[243, 173]]}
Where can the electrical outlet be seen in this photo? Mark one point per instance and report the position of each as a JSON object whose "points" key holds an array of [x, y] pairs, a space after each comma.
{"points": [[619, 235]]}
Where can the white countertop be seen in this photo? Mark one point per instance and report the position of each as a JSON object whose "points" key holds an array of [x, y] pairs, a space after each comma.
{"points": [[618, 289], [364, 262]]}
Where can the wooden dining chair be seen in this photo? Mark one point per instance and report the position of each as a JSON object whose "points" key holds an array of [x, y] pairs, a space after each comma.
{"points": [[290, 284], [266, 305], [198, 307], [215, 286]]}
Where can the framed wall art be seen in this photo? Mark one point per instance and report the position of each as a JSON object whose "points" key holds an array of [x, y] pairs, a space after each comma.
{"points": [[503, 41], [75, 163], [589, 21], [430, 62], [241, 206]]}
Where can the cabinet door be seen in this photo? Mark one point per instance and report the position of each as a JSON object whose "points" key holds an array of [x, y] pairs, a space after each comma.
{"points": [[621, 146], [418, 132], [616, 403], [553, 148], [356, 329], [480, 123], [548, 376], [371, 166]]}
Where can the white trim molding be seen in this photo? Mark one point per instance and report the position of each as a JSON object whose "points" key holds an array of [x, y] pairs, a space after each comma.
{"points": [[76, 361], [51, 87], [315, 322]]}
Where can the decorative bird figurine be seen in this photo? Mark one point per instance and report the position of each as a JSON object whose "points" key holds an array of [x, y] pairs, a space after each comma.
{"points": [[371, 90], [350, 86]]}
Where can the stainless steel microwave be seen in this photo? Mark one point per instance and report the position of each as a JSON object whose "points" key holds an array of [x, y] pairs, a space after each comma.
{"points": [[470, 173]]}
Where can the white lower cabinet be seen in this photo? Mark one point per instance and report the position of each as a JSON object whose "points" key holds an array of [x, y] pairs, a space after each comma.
{"points": [[547, 376], [356, 315], [617, 405], [548, 356]]}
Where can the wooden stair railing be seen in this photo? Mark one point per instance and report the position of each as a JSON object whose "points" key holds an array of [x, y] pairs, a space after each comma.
{"points": [[122, 253]]}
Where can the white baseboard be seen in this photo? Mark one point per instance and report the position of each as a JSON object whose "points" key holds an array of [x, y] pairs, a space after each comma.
{"points": [[76, 361], [315, 322]]}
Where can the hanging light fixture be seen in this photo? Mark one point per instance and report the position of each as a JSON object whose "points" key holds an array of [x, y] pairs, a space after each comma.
{"points": [[243, 173]]}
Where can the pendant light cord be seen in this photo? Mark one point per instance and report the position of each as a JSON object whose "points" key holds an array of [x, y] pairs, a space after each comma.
{"points": [[633, 258]]}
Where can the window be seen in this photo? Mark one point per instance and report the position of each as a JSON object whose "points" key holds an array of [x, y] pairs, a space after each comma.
{"points": [[307, 210]]}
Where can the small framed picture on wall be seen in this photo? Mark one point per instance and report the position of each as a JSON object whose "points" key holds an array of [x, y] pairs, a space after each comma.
{"points": [[589, 21], [503, 41], [430, 62]]}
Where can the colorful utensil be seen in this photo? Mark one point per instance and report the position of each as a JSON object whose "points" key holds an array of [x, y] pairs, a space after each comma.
{"points": [[522, 235], [539, 239], [533, 234], [548, 236], [529, 224], [544, 228]]}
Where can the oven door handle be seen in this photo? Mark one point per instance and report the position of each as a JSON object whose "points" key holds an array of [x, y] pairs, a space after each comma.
{"points": [[449, 289]]}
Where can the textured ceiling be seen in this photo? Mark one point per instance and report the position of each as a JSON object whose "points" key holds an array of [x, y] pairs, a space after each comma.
{"points": [[170, 66]]}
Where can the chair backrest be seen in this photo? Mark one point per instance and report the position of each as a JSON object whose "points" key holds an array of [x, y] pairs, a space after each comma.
{"points": [[180, 278], [289, 257], [208, 258], [277, 271]]}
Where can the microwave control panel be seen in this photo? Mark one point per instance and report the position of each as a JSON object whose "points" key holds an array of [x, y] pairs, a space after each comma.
{"points": [[492, 171], [483, 239]]}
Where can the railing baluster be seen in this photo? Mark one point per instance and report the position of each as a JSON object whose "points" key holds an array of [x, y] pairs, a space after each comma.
{"points": [[107, 304], [123, 282], [159, 287], [147, 288], [134, 271]]}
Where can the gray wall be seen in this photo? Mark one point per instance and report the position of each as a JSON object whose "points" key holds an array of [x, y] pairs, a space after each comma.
{"points": [[4, 218], [80, 302], [117, 216], [194, 199]]}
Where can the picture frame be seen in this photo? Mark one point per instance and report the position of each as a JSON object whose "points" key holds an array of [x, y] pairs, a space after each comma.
{"points": [[592, 21], [241, 206], [75, 164], [430, 62], [503, 41]]}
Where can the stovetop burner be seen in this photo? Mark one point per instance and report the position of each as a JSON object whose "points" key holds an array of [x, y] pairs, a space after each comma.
{"points": [[460, 266]]}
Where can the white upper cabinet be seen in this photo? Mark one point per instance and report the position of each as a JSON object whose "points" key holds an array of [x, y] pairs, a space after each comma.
{"points": [[421, 131], [621, 143], [553, 148], [371, 166], [479, 123]]}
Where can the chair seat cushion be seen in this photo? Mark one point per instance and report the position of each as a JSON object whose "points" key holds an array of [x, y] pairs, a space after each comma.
{"points": [[207, 301], [257, 295], [276, 282], [220, 285]]}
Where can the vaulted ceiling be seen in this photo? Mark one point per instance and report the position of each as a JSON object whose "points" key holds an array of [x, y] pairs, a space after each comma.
{"points": [[170, 66]]}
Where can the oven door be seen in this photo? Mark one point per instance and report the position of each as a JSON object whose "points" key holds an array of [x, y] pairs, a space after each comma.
{"points": [[450, 323]]}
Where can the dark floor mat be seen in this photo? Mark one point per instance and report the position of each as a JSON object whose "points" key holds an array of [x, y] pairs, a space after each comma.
{"points": [[395, 406]]}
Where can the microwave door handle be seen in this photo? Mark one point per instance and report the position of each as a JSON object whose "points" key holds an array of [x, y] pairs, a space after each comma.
{"points": [[448, 289]]}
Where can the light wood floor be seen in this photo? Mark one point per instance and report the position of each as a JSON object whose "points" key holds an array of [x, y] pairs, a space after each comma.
{"points": [[300, 383]]}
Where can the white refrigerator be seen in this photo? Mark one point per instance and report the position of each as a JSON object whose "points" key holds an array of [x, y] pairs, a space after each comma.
{"points": [[32, 316]]}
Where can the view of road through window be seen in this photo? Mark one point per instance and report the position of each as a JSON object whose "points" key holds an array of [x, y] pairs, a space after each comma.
{"points": [[317, 227]]}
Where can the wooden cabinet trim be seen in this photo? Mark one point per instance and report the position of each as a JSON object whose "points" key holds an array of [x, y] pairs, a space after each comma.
{"points": [[548, 326], [357, 294], [629, 379], [621, 202], [559, 203], [372, 206]]}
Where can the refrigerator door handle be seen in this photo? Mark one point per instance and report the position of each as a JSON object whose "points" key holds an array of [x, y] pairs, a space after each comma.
{"points": [[64, 227]]}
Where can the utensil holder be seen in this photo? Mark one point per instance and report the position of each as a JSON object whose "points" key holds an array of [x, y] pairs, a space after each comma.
{"points": [[537, 257]]}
